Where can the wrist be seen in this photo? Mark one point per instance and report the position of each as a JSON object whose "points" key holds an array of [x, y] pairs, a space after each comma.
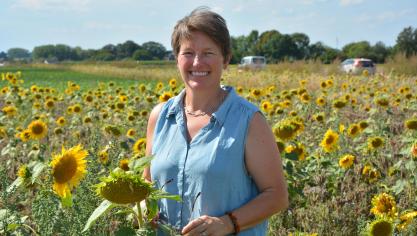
{"points": [[227, 222]]}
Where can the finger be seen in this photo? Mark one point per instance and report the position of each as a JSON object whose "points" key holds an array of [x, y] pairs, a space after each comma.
{"points": [[191, 225], [198, 230]]}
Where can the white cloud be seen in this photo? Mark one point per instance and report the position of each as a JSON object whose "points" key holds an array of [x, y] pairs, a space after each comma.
{"points": [[350, 2], [386, 16], [54, 5], [112, 27]]}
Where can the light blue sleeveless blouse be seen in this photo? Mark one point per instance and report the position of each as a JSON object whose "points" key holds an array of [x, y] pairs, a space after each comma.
{"points": [[208, 173]]}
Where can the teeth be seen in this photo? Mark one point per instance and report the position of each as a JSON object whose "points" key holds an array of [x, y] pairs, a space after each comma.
{"points": [[198, 73]]}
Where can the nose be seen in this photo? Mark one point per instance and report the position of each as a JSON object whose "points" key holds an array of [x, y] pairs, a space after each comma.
{"points": [[196, 60]]}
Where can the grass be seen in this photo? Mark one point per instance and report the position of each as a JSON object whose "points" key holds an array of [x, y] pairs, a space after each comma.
{"points": [[57, 76]]}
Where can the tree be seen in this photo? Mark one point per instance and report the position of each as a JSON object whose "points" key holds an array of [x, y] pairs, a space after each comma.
{"points": [[357, 49], [44, 52], [407, 41], [126, 49], [301, 41], [276, 46], [155, 50], [3, 56], [18, 54], [141, 54], [64, 52], [379, 52]]}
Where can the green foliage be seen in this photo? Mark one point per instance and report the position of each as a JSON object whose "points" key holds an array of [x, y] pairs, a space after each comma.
{"points": [[18, 53], [407, 41]]}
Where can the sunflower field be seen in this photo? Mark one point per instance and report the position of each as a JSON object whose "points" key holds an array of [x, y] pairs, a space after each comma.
{"points": [[72, 156]]}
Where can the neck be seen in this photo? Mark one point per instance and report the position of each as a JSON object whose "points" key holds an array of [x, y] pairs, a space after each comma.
{"points": [[206, 101]]}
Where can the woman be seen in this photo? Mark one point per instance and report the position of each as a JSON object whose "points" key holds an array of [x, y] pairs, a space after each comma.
{"points": [[210, 146]]}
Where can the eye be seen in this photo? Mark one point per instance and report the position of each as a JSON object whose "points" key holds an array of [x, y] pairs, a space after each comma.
{"points": [[187, 53]]}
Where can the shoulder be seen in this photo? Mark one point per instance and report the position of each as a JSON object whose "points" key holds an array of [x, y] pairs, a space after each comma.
{"points": [[244, 105], [156, 111]]}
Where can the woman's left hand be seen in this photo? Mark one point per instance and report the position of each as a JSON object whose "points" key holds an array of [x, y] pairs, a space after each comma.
{"points": [[207, 225]]}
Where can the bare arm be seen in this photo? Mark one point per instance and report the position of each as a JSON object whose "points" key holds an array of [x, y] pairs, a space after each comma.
{"points": [[153, 117], [264, 165]]}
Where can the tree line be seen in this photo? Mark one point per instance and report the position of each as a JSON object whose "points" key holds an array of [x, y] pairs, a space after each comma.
{"points": [[272, 44]]}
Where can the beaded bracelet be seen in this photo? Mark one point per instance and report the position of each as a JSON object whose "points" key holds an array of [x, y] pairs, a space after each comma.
{"points": [[234, 221]]}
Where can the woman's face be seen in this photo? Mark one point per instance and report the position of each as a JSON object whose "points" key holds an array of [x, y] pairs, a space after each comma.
{"points": [[200, 62]]}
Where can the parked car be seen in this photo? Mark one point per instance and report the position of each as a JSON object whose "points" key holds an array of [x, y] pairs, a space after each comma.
{"points": [[358, 65], [253, 62]]}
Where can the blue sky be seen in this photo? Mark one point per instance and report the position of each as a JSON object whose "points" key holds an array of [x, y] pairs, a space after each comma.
{"points": [[95, 23]]}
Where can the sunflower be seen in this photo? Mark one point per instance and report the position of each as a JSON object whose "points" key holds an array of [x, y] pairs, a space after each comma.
{"points": [[381, 227], [329, 142], [87, 120], [89, 99], [165, 96], [60, 121], [321, 101], [10, 111], [142, 88], [266, 106], [413, 150], [38, 129], [24, 173], [3, 132], [25, 135], [58, 131], [68, 168], [103, 156], [384, 204], [172, 83], [346, 161], [319, 117], [382, 101], [353, 130], [305, 98], [285, 130], [371, 174], [124, 164], [406, 219], [411, 123], [339, 103], [363, 125], [123, 188], [255, 93], [144, 113], [139, 146], [131, 133], [76, 108], [159, 86], [149, 99], [113, 130], [323, 84], [375, 142], [49, 104], [298, 149]]}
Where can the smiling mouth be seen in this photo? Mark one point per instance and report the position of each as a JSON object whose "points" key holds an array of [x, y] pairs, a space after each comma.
{"points": [[199, 73]]}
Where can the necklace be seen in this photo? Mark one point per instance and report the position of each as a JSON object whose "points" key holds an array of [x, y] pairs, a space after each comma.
{"points": [[209, 111]]}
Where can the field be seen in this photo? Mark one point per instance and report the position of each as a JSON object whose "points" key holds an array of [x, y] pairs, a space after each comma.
{"points": [[71, 133]]}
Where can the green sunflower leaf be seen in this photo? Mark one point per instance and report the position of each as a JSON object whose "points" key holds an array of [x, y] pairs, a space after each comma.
{"points": [[104, 207]]}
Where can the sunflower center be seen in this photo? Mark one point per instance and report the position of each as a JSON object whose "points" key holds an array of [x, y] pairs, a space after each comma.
{"points": [[37, 129], [65, 169], [329, 140]]}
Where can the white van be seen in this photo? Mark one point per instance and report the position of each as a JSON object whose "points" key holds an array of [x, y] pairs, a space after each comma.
{"points": [[253, 62]]}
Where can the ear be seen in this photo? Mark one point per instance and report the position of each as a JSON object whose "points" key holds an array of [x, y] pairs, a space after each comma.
{"points": [[227, 61]]}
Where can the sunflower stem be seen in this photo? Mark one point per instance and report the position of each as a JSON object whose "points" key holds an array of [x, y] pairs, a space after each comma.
{"points": [[139, 215]]}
